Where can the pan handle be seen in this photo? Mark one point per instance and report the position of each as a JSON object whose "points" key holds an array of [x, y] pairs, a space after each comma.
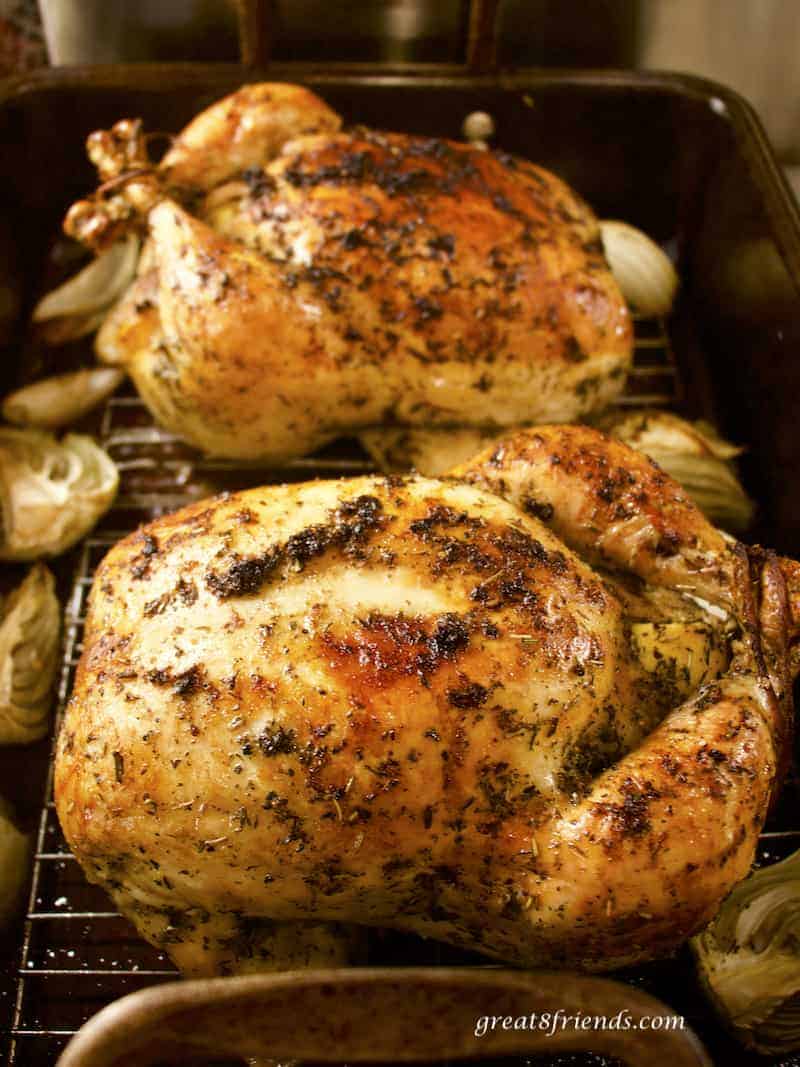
{"points": [[384, 1015], [257, 21], [482, 36]]}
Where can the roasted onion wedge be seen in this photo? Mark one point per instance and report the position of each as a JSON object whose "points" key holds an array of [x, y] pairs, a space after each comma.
{"points": [[748, 959], [63, 399], [51, 492], [643, 271], [95, 287], [30, 626]]}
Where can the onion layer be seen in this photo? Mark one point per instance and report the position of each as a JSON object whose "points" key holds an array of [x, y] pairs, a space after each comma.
{"points": [[643, 271], [55, 402], [29, 650], [96, 286], [748, 958], [51, 492]]}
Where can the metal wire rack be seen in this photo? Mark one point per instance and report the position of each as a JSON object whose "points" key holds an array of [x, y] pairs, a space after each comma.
{"points": [[77, 954]]}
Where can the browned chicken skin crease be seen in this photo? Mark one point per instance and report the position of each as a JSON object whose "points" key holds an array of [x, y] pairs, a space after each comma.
{"points": [[406, 702], [299, 282]]}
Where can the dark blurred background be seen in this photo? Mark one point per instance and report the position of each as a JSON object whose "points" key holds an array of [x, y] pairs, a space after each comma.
{"points": [[750, 45], [537, 32]]}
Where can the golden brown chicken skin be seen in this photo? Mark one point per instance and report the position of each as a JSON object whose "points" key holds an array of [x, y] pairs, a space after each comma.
{"points": [[406, 702], [317, 283]]}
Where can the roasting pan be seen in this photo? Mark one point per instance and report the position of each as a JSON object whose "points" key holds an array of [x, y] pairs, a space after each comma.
{"points": [[684, 159]]}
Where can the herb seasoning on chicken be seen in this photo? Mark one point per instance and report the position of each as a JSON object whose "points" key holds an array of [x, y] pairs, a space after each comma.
{"points": [[412, 703], [298, 282]]}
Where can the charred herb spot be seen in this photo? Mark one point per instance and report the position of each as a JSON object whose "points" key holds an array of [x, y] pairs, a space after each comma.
{"points": [[540, 509], [573, 351], [442, 242], [184, 684], [428, 309], [449, 637], [347, 528], [243, 576], [630, 817], [259, 183], [471, 695], [669, 543], [279, 806], [141, 564], [277, 740], [353, 239]]}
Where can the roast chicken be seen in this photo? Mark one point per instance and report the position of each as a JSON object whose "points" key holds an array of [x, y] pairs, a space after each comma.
{"points": [[298, 282], [537, 709]]}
